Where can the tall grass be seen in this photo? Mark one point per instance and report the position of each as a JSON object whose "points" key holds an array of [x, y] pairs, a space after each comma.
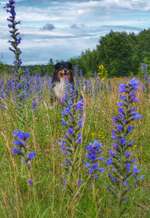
{"points": [[48, 197], [27, 104]]}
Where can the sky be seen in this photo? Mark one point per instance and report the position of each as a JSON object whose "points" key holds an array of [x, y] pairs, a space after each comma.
{"points": [[61, 29]]}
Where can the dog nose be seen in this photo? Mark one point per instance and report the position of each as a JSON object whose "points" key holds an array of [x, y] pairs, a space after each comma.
{"points": [[65, 72], [65, 77]]}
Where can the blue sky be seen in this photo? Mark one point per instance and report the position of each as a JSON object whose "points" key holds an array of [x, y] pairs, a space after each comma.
{"points": [[62, 29]]}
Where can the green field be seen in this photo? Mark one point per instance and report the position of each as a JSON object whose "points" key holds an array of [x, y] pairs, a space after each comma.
{"points": [[48, 197]]}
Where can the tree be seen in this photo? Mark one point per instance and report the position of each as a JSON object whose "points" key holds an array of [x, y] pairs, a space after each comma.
{"points": [[115, 52], [144, 44]]}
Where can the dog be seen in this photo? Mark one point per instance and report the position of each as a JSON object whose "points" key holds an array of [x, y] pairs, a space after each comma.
{"points": [[63, 73]]}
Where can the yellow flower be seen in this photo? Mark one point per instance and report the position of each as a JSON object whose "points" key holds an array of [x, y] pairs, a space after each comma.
{"points": [[102, 72]]}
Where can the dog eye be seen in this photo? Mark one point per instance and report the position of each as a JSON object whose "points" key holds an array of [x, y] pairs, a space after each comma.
{"points": [[67, 73], [61, 74]]}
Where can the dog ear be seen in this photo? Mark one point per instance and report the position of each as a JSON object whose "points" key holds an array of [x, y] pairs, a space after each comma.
{"points": [[69, 66], [57, 66], [55, 73]]}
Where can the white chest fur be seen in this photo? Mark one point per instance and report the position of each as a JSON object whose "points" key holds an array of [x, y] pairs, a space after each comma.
{"points": [[59, 89]]}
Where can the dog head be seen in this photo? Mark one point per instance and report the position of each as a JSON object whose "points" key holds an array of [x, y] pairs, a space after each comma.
{"points": [[63, 72]]}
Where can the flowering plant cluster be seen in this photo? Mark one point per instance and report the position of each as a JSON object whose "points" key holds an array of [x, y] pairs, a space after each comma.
{"points": [[14, 33], [94, 159], [21, 148], [21, 81], [123, 168], [72, 121]]}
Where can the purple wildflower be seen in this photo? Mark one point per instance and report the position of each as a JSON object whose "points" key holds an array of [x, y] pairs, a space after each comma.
{"points": [[14, 33], [128, 167], [31, 155], [134, 83], [21, 145], [109, 161], [72, 122], [79, 105], [30, 182], [70, 131], [135, 169], [94, 158], [127, 154], [21, 135], [120, 161], [122, 88], [21, 149], [34, 104], [16, 151]]}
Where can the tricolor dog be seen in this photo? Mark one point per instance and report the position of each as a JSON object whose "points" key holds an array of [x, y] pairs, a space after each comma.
{"points": [[63, 72]]}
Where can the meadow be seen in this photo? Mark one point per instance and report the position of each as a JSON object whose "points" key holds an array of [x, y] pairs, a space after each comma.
{"points": [[47, 196], [84, 157]]}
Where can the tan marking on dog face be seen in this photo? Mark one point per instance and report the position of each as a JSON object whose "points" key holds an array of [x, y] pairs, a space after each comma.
{"points": [[64, 74]]}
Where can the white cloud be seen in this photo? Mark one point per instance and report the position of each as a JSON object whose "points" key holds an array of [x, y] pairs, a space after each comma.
{"points": [[78, 24], [143, 5]]}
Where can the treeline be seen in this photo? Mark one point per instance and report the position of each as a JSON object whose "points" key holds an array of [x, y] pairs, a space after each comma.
{"points": [[33, 69], [119, 52]]}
